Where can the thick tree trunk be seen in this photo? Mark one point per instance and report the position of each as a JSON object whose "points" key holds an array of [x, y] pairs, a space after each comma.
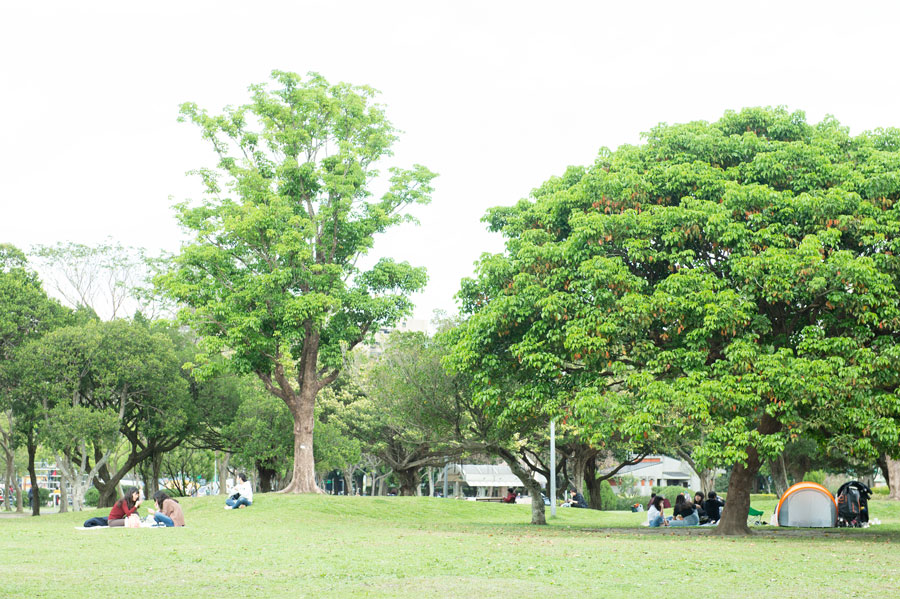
{"points": [[409, 481], [266, 475], [593, 484], [302, 406], [348, 482], [579, 464], [891, 470], [737, 504]]}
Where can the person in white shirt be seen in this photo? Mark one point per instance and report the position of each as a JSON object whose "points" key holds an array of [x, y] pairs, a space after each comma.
{"points": [[655, 515], [241, 494]]}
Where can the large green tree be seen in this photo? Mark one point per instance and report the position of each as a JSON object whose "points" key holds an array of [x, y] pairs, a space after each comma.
{"points": [[734, 282], [272, 278], [26, 313]]}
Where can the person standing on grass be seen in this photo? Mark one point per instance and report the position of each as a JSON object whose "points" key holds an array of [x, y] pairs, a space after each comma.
{"points": [[125, 507], [169, 513], [241, 494]]}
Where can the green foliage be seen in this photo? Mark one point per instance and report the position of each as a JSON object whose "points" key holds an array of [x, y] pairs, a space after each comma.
{"points": [[815, 476], [625, 504], [262, 431], [608, 499], [670, 492], [737, 279], [271, 278], [91, 497]]}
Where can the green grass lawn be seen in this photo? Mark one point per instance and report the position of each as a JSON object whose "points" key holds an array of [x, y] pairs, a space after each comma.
{"points": [[302, 546]]}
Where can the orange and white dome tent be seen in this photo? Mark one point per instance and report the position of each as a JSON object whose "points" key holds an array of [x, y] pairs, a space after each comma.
{"points": [[806, 505]]}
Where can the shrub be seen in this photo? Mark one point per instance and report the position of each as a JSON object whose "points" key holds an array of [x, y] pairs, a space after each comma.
{"points": [[91, 497], [173, 492], [671, 492], [815, 476], [608, 499], [626, 503], [880, 491]]}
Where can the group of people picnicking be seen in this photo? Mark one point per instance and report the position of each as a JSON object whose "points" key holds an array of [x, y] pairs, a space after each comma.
{"points": [[168, 511], [699, 512]]}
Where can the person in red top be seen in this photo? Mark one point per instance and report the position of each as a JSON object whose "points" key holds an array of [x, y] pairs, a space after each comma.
{"points": [[510, 497], [125, 507]]}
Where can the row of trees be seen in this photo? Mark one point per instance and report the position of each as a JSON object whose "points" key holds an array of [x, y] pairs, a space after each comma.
{"points": [[723, 290]]}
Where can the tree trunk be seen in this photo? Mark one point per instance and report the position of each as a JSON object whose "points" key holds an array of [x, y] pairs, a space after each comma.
{"points": [[737, 505], [779, 475], [579, 464], [593, 484], [152, 485], [63, 496], [11, 482], [348, 482], [409, 481], [35, 490], [302, 406], [223, 473], [891, 470], [533, 486], [430, 481], [266, 475]]}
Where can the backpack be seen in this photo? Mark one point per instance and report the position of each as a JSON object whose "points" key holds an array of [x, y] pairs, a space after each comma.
{"points": [[853, 505]]}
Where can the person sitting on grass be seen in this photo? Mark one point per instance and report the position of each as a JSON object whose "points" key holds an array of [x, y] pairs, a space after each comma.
{"points": [[685, 514], [713, 507], [169, 513], [124, 507], [698, 505], [241, 494], [655, 515], [577, 499]]}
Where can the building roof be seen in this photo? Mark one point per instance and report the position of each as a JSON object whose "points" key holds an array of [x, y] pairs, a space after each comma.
{"points": [[487, 475]]}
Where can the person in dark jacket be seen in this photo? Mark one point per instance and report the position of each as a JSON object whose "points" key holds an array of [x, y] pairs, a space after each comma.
{"points": [[577, 499], [698, 505], [713, 506]]}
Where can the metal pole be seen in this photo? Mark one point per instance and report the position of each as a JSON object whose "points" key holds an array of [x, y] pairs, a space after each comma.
{"points": [[553, 467]]}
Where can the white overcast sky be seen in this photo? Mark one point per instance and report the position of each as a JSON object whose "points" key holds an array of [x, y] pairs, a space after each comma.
{"points": [[494, 96]]}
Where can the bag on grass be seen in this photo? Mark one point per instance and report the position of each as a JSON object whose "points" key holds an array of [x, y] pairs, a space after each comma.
{"points": [[133, 521]]}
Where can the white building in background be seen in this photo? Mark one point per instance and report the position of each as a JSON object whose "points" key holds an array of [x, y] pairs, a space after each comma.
{"points": [[483, 480], [655, 470]]}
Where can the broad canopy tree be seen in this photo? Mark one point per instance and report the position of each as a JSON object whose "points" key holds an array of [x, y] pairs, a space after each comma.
{"points": [[737, 279], [271, 279]]}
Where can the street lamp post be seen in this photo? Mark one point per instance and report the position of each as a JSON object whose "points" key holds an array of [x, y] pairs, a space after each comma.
{"points": [[553, 468]]}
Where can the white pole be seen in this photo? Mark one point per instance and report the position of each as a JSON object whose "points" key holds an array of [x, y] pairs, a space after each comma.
{"points": [[553, 468]]}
